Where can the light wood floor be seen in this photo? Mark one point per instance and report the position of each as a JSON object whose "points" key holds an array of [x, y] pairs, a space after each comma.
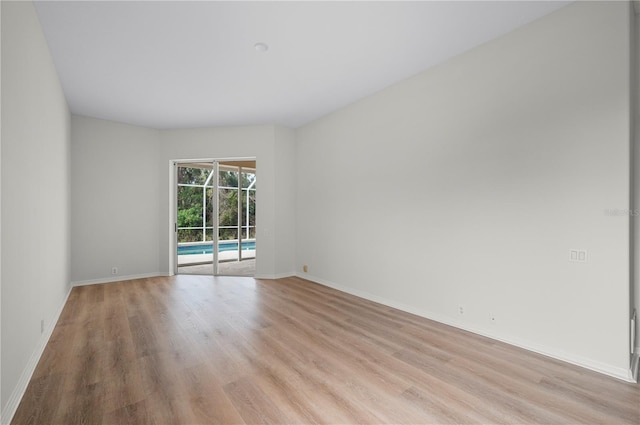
{"points": [[204, 350]]}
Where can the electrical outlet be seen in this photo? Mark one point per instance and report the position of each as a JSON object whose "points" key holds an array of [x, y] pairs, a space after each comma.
{"points": [[114, 270], [460, 310], [305, 268], [42, 326]]}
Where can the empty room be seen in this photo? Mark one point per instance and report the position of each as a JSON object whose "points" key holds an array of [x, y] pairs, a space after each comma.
{"points": [[319, 212]]}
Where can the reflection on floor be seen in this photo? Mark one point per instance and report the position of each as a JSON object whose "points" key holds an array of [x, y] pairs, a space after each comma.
{"points": [[227, 268]]}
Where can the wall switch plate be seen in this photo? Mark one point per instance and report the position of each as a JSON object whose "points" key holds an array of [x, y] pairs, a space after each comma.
{"points": [[114, 270], [578, 255]]}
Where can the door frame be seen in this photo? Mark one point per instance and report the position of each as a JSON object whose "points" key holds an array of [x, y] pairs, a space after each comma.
{"points": [[173, 207]]}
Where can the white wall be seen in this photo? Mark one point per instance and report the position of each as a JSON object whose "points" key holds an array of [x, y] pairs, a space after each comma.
{"points": [[1, 404], [636, 170], [120, 194], [468, 184], [237, 142], [285, 205], [35, 197], [114, 197]]}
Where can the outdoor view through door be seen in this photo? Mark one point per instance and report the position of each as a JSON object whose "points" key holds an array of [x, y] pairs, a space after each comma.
{"points": [[216, 235]]}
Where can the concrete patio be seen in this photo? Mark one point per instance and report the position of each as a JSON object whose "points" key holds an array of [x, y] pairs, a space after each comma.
{"points": [[228, 263]]}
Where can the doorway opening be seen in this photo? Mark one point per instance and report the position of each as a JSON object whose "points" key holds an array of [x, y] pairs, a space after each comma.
{"points": [[215, 226]]}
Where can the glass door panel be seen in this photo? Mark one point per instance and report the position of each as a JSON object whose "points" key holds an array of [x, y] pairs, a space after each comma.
{"points": [[193, 232], [227, 219], [215, 218]]}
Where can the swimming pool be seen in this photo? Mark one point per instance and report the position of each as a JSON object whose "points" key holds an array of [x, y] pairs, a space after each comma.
{"points": [[208, 249]]}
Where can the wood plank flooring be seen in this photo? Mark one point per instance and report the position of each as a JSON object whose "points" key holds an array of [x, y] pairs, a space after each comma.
{"points": [[228, 350]]}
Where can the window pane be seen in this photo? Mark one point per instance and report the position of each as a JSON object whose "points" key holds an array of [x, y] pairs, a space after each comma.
{"points": [[228, 179], [248, 179], [192, 175], [189, 235], [252, 207], [228, 207], [189, 206], [227, 234], [209, 201]]}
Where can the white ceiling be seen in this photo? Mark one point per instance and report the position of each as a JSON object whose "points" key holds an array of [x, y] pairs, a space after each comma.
{"points": [[177, 64]]}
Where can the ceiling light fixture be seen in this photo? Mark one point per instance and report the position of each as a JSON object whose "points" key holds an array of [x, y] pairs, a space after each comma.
{"points": [[261, 47]]}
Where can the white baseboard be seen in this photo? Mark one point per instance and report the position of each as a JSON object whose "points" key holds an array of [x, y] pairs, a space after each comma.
{"points": [[616, 372], [117, 278], [147, 275], [274, 276], [20, 388]]}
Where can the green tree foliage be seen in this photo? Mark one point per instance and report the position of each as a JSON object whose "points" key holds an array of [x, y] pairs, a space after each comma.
{"points": [[190, 203], [228, 179], [192, 175]]}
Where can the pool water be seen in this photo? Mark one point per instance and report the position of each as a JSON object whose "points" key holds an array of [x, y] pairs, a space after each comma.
{"points": [[208, 249]]}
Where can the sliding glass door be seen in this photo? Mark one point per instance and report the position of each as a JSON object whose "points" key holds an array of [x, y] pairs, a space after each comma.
{"points": [[215, 218], [236, 219], [195, 218]]}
